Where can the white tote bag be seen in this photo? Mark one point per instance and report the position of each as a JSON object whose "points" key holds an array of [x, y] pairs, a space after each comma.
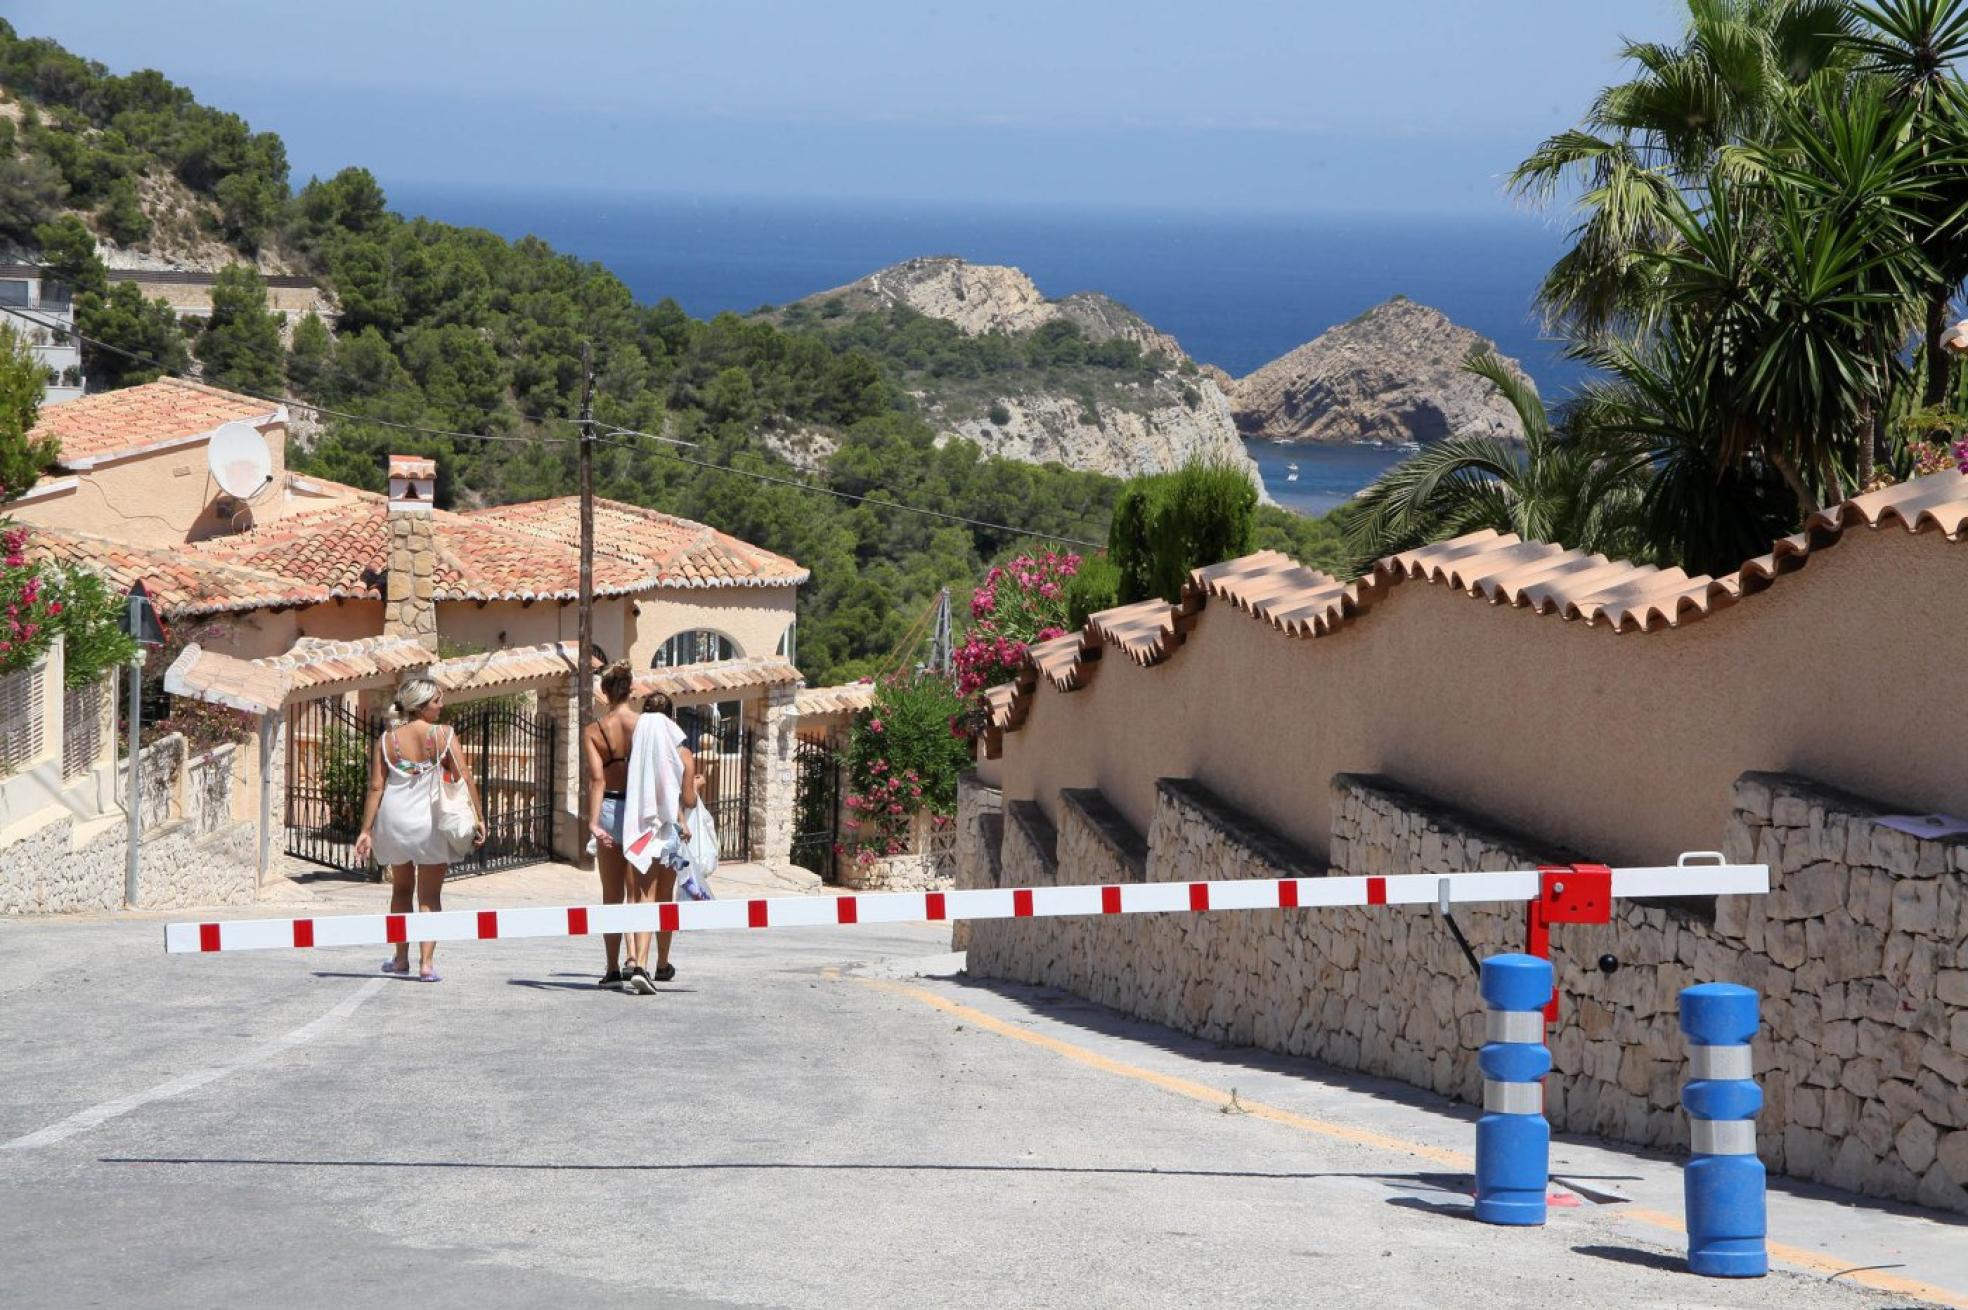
{"points": [[451, 807], [702, 849]]}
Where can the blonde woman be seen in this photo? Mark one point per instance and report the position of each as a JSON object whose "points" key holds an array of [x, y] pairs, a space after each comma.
{"points": [[399, 827]]}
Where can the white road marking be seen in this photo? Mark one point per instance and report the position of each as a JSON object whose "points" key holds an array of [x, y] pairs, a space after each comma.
{"points": [[96, 1115]]}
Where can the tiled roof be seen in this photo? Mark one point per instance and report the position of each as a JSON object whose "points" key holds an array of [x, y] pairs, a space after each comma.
{"points": [[413, 467], [717, 675], [315, 662], [183, 583], [674, 552], [845, 699], [345, 548], [1499, 568], [248, 685], [502, 668], [111, 424]]}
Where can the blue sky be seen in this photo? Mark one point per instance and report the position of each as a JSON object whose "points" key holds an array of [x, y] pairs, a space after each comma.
{"points": [[1414, 105]]}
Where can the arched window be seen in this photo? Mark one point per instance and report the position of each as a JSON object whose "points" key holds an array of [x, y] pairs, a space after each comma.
{"points": [[698, 646]]}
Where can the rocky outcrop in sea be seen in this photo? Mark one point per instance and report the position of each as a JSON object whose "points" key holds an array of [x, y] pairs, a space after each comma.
{"points": [[1393, 375]]}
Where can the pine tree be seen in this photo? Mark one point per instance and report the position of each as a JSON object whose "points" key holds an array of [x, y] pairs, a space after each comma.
{"points": [[241, 344], [21, 379]]}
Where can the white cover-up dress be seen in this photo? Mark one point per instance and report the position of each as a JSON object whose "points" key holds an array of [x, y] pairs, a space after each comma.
{"points": [[406, 826]]}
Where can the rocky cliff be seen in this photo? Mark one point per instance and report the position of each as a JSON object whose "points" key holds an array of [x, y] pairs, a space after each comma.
{"points": [[1123, 413], [1392, 375]]}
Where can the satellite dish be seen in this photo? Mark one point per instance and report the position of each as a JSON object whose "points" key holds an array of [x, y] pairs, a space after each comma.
{"points": [[238, 457]]}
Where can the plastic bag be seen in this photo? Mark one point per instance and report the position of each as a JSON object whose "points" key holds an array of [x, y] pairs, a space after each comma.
{"points": [[702, 850]]}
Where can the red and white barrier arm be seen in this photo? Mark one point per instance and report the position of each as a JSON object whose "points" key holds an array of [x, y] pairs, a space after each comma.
{"points": [[1580, 893]]}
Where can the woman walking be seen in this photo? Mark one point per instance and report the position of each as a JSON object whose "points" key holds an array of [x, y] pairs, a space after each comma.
{"points": [[660, 789], [399, 820], [605, 748]]}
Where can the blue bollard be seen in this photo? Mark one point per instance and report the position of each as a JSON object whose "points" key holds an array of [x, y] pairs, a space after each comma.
{"points": [[1513, 1141], [1723, 1183]]}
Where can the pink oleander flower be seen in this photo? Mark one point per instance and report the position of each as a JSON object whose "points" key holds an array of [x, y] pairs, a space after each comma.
{"points": [[874, 725]]}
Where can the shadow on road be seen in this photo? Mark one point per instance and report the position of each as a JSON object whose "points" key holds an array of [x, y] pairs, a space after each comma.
{"points": [[1634, 1255]]}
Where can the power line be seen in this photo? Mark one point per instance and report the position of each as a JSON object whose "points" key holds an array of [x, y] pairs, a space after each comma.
{"points": [[162, 367], [185, 375], [871, 500]]}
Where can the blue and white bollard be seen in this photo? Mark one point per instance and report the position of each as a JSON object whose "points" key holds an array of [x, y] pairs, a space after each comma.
{"points": [[1513, 1141], [1723, 1182]]}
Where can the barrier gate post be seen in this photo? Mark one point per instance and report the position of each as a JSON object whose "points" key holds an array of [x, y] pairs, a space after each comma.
{"points": [[1723, 1184], [1513, 1140]]}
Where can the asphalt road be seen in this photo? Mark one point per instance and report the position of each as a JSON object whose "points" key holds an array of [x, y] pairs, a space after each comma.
{"points": [[777, 1128]]}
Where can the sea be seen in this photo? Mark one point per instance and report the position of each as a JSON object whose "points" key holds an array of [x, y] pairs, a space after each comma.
{"points": [[1237, 290]]}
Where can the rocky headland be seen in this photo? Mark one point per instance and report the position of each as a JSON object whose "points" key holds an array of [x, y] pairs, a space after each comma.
{"points": [[1393, 375], [1124, 413]]}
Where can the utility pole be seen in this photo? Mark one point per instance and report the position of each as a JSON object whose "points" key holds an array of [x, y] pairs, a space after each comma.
{"points": [[583, 676]]}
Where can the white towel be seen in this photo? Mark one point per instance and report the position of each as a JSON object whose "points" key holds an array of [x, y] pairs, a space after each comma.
{"points": [[655, 790]]}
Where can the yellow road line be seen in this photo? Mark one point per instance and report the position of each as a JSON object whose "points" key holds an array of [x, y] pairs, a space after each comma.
{"points": [[1815, 1261], [1818, 1262]]}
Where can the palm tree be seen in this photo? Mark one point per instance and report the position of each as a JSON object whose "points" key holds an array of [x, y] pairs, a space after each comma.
{"points": [[1803, 274], [1651, 139], [1553, 488], [1913, 46], [1658, 403]]}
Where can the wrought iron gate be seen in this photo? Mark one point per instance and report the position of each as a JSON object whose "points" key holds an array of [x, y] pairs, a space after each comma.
{"points": [[722, 746], [328, 750], [509, 751], [816, 809]]}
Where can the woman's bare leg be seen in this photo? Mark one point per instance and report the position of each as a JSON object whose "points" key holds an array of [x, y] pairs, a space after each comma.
{"points": [[403, 891], [665, 890], [430, 896], [614, 870], [642, 889]]}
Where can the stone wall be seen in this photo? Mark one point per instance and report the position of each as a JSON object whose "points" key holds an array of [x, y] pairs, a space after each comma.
{"points": [[775, 776], [1858, 951], [194, 851]]}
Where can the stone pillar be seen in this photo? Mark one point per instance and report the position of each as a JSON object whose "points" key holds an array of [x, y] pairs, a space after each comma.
{"points": [[570, 825], [775, 776], [409, 605]]}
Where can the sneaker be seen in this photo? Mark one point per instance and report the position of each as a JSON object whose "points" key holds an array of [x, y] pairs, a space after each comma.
{"points": [[665, 972], [613, 978], [638, 979]]}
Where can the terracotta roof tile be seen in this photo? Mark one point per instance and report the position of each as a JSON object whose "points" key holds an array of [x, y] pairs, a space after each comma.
{"points": [[502, 668], [316, 662], [1496, 567], [717, 675], [183, 583], [247, 685], [109, 424], [848, 698], [673, 552], [344, 547]]}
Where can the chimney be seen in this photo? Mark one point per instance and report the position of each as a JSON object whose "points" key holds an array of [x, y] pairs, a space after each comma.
{"points": [[408, 607]]}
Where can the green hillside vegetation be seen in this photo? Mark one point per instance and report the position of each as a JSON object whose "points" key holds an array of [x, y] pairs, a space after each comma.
{"points": [[968, 374], [459, 329]]}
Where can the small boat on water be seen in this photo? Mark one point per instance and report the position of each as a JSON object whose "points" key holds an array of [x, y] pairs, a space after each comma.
{"points": [[1291, 472]]}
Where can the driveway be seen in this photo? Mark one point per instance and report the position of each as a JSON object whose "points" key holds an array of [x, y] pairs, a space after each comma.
{"points": [[817, 1118]]}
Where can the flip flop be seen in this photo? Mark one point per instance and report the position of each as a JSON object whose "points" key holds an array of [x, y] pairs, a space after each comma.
{"points": [[389, 967], [429, 975]]}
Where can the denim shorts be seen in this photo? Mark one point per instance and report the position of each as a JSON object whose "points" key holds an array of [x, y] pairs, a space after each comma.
{"points": [[611, 816]]}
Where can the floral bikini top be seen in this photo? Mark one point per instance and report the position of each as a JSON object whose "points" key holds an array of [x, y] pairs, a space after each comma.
{"points": [[402, 768]]}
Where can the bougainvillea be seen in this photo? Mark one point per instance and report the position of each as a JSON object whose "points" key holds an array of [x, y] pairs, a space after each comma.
{"points": [[29, 608], [1019, 603], [901, 761]]}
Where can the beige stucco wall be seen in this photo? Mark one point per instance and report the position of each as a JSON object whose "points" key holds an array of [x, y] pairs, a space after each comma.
{"points": [[753, 617], [1622, 747], [498, 625], [160, 499]]}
